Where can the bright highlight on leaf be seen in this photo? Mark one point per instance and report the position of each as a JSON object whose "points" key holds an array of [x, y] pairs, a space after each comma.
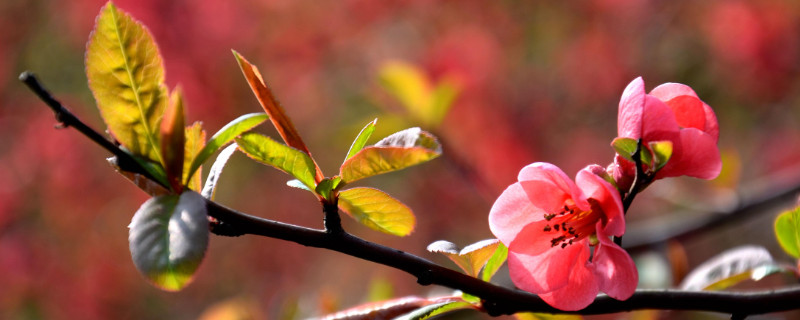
{"points": [[168, 239], [787, 230], [397, 151], [210, 188], [473, 257], [731, 267], [290, 160], [126, 76], [377, 210], [225, 135]]}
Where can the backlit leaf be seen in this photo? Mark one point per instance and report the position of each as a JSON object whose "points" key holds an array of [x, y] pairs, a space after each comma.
{"points": [[389, 309], [495, 262], [126, 76], [407, 84], [397, 151], [470, 259], [662, 150], [210, 187], [361, 139], [625, 147], [225, 135], [436, 309], [173, 141], [377, 210], [145, 184], [277, 115], [168, 239], [727, 268], [294, 183], [327, 185], [195, 141], [787, 230], [290, 160]]}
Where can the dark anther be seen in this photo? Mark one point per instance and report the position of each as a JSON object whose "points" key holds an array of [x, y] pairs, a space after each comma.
{"points": [[555, 227], [547, 228], [563, 245], [549, 217]]}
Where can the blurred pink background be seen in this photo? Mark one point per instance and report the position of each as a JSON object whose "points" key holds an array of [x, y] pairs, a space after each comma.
{"points": [[539, 81]]}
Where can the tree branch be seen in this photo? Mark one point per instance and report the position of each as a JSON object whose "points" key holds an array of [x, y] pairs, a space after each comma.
{"points": [[496, 300]]}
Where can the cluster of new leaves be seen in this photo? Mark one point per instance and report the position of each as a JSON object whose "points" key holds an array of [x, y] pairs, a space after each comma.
{"points": [[169, 233]]}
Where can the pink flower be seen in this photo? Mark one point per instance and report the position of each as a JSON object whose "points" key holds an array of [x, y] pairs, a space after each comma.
{"points": [[671, 112], [558, 236]]}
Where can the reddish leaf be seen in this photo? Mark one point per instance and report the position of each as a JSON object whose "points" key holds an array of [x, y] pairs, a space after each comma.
{"points": [[173, 140], [276, 114]]}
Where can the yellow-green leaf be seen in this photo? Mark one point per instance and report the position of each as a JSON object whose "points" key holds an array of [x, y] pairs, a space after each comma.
{"points": [[195, 141], [787, 230], [225, 135], [361, 139], [290, 160], [377, 210], [126, 76], [472, 258], [397, 151]]}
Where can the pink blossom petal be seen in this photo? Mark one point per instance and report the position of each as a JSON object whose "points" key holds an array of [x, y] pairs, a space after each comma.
{"points": [[688, 112], [581, 290], [699, 157], [594, 187], [631, 108], [658, 121], [548, 271], [532, 240], [616, 273], [511, 212], [669, 90], [548, 187]]}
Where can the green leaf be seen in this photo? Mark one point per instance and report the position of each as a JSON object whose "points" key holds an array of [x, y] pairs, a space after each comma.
{"points": [[397, 151], [210, 187], [326, 186], [495, 262], [728, 268], [150, 187], [470, 259], [173, 141], [361, 139], [226, 135], [787, 230], [168, 239], [662, 150], [625, 147], [195, 141], [290, 160], [377, 210], [126, 76], [436, 309]]}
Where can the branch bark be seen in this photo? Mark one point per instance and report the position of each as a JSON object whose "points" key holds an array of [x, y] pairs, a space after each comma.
{"points": [[497, 300]]}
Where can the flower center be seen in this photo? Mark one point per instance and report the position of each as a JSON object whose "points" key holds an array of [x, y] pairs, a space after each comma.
{"points": [[571, 224]]}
